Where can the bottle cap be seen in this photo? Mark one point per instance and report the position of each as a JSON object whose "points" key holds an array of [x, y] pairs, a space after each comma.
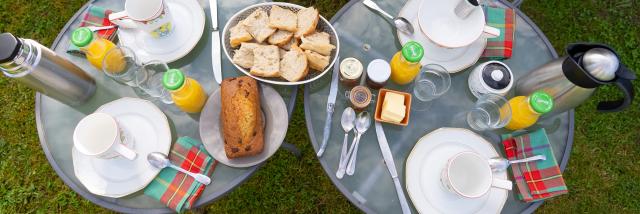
{"points": [[173, 79], [413, 51], [541, 102], [81, 37], [379, 71]]}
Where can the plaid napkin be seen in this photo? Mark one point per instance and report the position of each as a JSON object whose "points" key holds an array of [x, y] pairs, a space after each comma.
{"points": [[536, 180], [175, 189], [504, 19], [96, 16]]}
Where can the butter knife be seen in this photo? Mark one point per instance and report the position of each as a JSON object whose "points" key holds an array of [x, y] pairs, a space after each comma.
{"points": [[331, 101], [216, 62], [388, 160]]}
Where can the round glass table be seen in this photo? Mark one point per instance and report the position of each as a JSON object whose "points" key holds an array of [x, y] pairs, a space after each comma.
{"points": [[366, 35], [56, 121]]}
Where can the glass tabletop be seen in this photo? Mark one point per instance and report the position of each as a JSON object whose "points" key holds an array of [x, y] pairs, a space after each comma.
{"points": [[57, 121], [366, 35]]}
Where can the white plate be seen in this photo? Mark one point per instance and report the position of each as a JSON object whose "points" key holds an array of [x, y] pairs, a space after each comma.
{"points": [[188, 26], [444, 27], [276, 123], [426, 162], [452, 59], [119, 177]]}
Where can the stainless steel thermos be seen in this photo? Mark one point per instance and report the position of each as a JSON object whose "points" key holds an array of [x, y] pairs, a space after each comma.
{"points": [[40, 68]]}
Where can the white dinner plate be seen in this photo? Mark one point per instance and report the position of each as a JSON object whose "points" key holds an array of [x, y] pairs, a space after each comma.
{"points": [[439, 22], [426, 162], [119, 177], [276, 121], [452, 59], [188, 26]]}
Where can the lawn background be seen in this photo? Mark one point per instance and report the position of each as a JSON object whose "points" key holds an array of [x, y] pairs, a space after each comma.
{"points": [[603, 174]]}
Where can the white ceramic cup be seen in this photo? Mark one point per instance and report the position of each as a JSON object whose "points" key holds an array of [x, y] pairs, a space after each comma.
{"points": [[469, 175], [479, 85], [99, 135], [465, 7], [151, 16]]}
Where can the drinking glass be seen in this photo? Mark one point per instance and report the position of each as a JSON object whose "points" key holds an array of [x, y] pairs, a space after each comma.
{"points": [[432, 82], [149, 79], [121, 64], [491, 111]]}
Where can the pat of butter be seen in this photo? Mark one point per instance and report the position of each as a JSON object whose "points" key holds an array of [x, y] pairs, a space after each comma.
{"points": [[393, 108]]}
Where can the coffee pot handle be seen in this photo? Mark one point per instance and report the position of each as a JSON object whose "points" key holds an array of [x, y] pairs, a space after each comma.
{"points": [[623, 81]]}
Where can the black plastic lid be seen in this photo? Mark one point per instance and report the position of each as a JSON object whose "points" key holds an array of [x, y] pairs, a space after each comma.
{"points": [[496, 76], [9, 47]]}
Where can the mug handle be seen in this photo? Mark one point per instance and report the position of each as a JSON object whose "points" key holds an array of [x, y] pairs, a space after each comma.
{"points": [[502, 184], [125, 152], [122, 19], [491, 32]]}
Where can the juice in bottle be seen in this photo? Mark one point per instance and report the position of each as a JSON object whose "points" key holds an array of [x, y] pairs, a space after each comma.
{"points": [[93, 46], [525, 111], [405, 64], [186, 93]]}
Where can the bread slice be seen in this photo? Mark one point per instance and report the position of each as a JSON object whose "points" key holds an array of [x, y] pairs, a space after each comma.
{"points": [[281, 37], [244, 56], [258, 25], [293, 66], [317, 44], [307, 21], [283, 19], [282, 52], [319, 37], [293, 42], [266, 61], [239, 34], [241, 117], [316, 61]]}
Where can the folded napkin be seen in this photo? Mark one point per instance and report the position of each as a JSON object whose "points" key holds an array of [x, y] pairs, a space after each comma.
{"points": [[175, 189], [537, 180], [504, 19], [96, 16]]}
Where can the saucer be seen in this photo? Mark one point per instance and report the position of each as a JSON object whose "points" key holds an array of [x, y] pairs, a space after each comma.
{"points": [[426, 162], [188, 26], [445, 28], [452, 59], [276, 119], [119, 177]]}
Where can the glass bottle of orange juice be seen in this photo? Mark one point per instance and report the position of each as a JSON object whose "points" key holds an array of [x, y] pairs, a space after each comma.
{"points": [[525, 111], [93, 46], [405, 64], [186, 92]]}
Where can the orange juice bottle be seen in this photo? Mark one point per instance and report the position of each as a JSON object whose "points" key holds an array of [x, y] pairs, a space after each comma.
{"points": [[186, 93], [525, 111], [405, 64], [93, 46]]}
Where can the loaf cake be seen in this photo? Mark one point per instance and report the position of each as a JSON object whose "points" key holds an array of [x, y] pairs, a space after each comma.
{"points": [[241, 117]]}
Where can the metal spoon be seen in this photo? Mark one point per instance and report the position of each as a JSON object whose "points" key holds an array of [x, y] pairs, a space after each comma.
{"points": [[160, 161], [347, 121], [501, 164], [362, 124], [402, 24]]}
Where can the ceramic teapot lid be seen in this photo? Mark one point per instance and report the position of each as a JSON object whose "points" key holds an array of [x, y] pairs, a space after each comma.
{"points": [[496, 76]]}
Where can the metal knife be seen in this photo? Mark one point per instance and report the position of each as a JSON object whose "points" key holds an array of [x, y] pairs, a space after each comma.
{"points": [[388, 160], [331, 101], [216, 62]]}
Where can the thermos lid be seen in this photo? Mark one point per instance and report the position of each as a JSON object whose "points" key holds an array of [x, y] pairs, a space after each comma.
{"points": [[173, 79], [601, 63], [541, 102], [81, 37], [9, 47], [496, 76], [412, 51]]}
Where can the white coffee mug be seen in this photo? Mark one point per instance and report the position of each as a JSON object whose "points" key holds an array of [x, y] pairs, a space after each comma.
{"points": [[465, 7], [151, 16], [99, 135], [469, 175]]}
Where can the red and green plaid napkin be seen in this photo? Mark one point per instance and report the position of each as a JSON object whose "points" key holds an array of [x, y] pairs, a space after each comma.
{"points": [[175, 189], [537, 180], [504, 19], [96, 16]]}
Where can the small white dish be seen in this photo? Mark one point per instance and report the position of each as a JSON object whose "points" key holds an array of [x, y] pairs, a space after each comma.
{"points": [[276, 121], [440, 23], [452, 59], [426, 162], [188, 26], [119, 177]]}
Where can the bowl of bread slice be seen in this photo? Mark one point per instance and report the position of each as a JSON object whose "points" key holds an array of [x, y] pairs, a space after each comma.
{"points": [[281, 43]]}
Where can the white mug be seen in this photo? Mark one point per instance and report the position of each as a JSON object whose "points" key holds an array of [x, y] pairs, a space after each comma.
{"points": [[469, 175], [465, 7], [151, 16], [99, 135]]}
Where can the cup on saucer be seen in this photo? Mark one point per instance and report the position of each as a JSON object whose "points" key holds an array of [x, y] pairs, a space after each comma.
{"points": [[468, 175], [99, 135]]}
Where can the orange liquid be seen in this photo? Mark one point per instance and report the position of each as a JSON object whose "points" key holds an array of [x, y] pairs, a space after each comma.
{"points": [[190, 97], [522, 115], [96, 51], [402, 71]]}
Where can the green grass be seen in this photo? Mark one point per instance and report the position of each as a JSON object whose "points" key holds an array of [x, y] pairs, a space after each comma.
{"points": [[603, 174]]}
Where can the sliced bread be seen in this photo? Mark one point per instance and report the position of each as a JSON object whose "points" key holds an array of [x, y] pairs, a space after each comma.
{"points": [[293, 66], [244, 56], [266, 61], [283, 19], [258, 25], [293, 42], [316, 61], [239, 34], [280, 38], [317, 44], [307, 21]]}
